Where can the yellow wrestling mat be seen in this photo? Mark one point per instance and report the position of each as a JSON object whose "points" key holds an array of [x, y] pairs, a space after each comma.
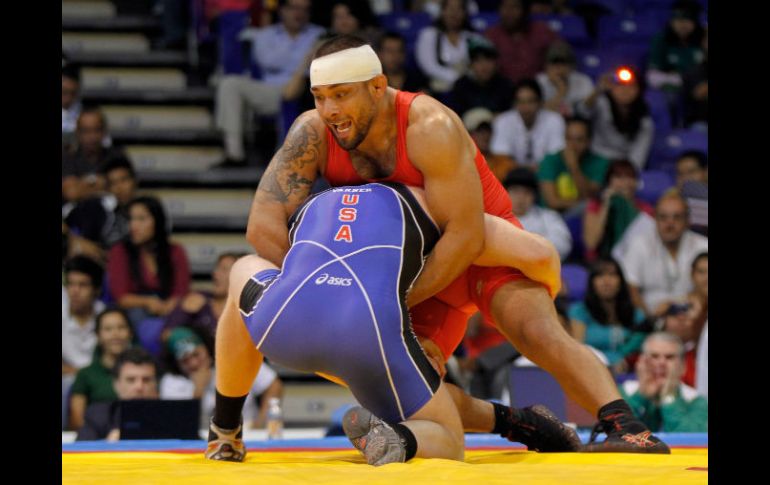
{"points": [[683, 466]]}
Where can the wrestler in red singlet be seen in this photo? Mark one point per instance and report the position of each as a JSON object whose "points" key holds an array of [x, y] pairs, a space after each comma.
{"points": [[442, 318]]}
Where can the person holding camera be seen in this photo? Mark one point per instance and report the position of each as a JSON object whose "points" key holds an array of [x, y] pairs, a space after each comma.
{"points": [[658, 397]]}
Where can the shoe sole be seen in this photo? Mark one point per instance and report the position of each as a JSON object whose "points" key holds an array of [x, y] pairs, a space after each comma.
{"points": [[378, 442]]}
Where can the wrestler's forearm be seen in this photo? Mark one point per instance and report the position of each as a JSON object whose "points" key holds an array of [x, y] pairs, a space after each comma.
{"points": [[452, 255], [532, 254]]}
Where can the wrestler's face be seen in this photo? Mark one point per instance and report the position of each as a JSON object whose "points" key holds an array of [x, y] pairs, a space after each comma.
{"points": [[114, 333], [141, 224], [347, 109]]}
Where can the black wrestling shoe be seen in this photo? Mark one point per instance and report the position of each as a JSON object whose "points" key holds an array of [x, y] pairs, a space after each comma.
{"points": [[625, 434], [538, 428]]}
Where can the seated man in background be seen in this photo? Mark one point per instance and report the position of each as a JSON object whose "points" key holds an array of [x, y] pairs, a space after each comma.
{"points": [[658, 397], [135, 377]]}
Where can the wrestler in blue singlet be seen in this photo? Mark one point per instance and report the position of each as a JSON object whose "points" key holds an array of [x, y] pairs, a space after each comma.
{"points": [[338, 306]]}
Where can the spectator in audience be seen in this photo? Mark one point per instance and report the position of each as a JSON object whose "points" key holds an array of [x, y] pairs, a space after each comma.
{"points": [[682, 320], [695, 91], [147, 273], [483, 86], [522, 188], [620, 117], [478, 122], [94, 382], [83, 161], [96, 223], [611, 213], [568, 178], [441, 51], [692, 181], [191, 374], [563, 87], [657, 265], [702, 363], [391, 49], [70, 101], [279, 50], [528, 133], [521, 42], [79, 307], [658, 398], [135, 376], [351, 17], [700, 284], [676, 51], [607, 319], [550, 7], [692, 166], [200, 310]]}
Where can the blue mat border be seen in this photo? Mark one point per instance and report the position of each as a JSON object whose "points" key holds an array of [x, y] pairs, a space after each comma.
{"points": [[337, 442]]}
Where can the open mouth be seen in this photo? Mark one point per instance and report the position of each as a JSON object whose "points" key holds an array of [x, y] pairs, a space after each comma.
{"points": [[342, 127]]}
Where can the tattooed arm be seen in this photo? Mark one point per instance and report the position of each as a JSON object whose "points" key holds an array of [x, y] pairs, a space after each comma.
{"points": [[285, 184]]}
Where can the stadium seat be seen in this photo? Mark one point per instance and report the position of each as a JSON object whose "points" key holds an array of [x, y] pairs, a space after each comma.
{"points": [[571, 28], [652, 184], [575, 278], [483, 20]]}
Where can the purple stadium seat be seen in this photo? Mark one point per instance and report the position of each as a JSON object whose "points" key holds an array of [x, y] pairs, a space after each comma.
{"points": [[661, 116], [575, 278], [575, 226], [626, 29], [483, 20], [407, 24], [148, 332], [617, 7], [571, 28], [230, 25], [667, 148], [595, 62], [652, 184]]}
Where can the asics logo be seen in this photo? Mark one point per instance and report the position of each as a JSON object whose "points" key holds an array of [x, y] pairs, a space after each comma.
{"points": [[333, 280]]}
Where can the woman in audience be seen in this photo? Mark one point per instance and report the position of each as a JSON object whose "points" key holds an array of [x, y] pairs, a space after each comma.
{"points": [[607, 319], [147, 273], [93, 383], [608, 216], [620, 117], [442, 50]]}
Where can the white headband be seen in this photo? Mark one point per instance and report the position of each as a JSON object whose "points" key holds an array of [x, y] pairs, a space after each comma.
{"points": [[346, 66]]}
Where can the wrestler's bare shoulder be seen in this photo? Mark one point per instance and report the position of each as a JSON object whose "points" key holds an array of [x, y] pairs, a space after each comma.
{"points": [[428, 113]]}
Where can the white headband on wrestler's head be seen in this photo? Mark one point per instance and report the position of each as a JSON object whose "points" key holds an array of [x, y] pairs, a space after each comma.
{"points": [[346, 66]]}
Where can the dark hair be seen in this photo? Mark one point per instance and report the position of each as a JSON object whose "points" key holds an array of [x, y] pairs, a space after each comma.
{"points": [[698, 155], [620, 166], [390, 35], [703, 255], [630, 125], [94, 111], [71, 72], [338, 43], [107, 311], [117, 162], [87, 266], [624, 308], [439, 23], [360, 10], [530, 84], [579, 119], [689, 9], [159, 245], [136, 356]]}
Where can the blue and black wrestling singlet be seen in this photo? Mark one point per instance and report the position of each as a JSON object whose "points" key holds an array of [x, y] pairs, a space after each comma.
{"points": [[338, 306]]}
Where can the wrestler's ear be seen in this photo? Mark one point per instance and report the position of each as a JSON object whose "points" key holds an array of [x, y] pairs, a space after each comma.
{"points": [[378, 85]]}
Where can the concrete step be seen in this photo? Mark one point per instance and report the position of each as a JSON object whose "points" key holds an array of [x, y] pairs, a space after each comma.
{"points": [[312, 403], [93, 9], [200, 95], [123, 23], [101, 42], [125, 136], [151, 58], [133, 78], [210, 209], [204, 249], [158, 117], [168, 158]]}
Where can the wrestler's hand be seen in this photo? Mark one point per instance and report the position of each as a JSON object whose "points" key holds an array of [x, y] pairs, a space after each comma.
{"points": [[434, 354]]}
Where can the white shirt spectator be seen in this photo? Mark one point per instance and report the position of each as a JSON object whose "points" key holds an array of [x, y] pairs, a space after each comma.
{"points": [[549, 224], [277, 53], [579, 87], [77, 341], [451, 62], [528, 147], [649, 266]]}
